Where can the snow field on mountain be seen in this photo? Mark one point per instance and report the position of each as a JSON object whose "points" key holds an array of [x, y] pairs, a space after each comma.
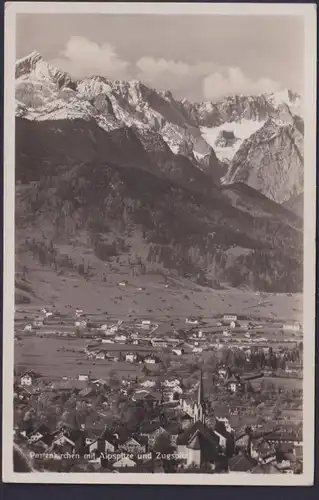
{"points": [[242, 130]]}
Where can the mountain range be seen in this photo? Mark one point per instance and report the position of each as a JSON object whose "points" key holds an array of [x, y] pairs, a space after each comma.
{"points": [[193, 188]]}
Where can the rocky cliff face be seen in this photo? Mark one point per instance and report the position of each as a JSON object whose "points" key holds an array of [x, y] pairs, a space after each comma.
{"points": [[271, 160], [258, 138]]}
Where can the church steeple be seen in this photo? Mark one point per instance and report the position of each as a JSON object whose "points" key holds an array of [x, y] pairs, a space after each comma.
{"points": [[199, 407], [200, 395]]}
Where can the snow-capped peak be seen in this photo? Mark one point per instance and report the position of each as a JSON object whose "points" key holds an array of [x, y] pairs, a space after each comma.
{"points": [[288, 98], [285, 96], [36, 68], [27, 63], [34, 55]]}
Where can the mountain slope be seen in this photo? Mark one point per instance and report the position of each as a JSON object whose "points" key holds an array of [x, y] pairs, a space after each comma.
{"points": [[121, 172], [256, 204], [109, 200]]}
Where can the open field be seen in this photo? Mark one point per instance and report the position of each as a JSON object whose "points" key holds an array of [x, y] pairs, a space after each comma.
{"points": [[182, 298], [58, 357], [55, 358]]}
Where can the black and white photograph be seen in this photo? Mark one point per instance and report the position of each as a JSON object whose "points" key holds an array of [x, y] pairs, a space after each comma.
{"points": [[159, 256]]}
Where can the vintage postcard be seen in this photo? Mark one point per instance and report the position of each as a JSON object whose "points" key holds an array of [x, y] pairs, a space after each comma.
{"points": [[159, 244]]}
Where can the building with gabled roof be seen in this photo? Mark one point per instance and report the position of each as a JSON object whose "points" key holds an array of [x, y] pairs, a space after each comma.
{"points": [[198, 444], [241, 463]]}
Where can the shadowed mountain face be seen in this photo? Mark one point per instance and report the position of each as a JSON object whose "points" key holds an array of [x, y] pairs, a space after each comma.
{"points": [[125, 168], [296, 204]]}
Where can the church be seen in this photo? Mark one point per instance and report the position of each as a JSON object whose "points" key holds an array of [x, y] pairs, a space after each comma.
{"points": [[206, 441]]}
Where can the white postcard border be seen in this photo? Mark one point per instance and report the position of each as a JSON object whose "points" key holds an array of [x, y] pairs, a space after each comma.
{"points": [[308, 11]]}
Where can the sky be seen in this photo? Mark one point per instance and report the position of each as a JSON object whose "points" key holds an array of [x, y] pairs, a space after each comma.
{"points": [[199, 57]]}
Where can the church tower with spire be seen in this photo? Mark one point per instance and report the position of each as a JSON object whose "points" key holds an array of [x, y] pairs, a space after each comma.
{"points": [[199, 406]]}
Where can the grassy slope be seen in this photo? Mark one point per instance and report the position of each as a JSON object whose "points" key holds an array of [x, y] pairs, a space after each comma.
{"points": [[181, 299]]}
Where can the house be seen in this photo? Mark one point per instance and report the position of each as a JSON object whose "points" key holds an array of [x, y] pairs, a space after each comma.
{"points": [[122, 283], [152, 432], [242, 442], [120, 338], [62, 439], [104, 327], [103, 444], [100, 355], [22, 393], [234, 385], [133, 445], [124, 462], [27, 379], [197, 349], [158, 342], [139, 395], [148, 383], [38, 323], [28, 328], [226, 423], [198, 445], [78, 313], [83, 377], [99, 382], [107, 341], [81, 323], [228, 318], [131, 357], [111, 357], [191, 321], [38, 434], [173, 341], [186, 420], [222, 372], [291, 327], [178, 351], [146, 323], [173, 430], [242, 463], [243, 323], [153, 397], [86, 391], [172, 383], [151, 359], [268, 468]]}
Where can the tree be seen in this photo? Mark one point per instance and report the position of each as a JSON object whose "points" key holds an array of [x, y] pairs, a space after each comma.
{"points": [[113, 380]]}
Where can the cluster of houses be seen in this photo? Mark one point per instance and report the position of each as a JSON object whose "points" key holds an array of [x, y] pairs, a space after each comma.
{"points": [[194, 438], [230, 329]]}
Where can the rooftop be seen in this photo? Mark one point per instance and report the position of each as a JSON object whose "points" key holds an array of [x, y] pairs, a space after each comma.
{"points": [[241, 463]]}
